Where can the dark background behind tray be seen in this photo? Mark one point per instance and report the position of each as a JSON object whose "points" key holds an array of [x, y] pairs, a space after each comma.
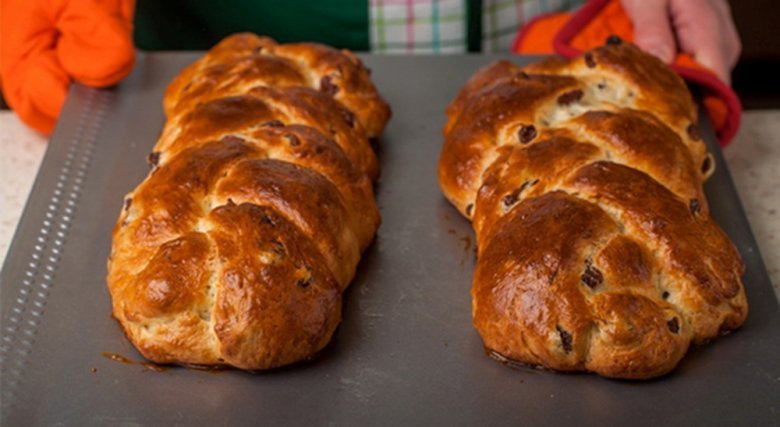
{"points": [[406, 350], [755, 77]]}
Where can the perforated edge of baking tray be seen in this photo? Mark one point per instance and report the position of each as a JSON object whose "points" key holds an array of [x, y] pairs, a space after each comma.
{"points": [[28, 304]]}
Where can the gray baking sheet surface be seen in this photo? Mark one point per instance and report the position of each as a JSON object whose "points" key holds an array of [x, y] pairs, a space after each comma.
{"points": [[406, 352]]}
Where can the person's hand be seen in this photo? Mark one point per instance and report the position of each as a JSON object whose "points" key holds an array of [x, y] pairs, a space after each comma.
{"points": [[48, 43], [702, 28]]}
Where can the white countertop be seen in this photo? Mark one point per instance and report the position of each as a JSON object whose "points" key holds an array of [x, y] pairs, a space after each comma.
{"points": [[753, 159]]}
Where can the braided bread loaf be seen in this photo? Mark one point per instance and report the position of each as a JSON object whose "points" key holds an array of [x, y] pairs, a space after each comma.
{"points": [[237, 246], [583, 179]]}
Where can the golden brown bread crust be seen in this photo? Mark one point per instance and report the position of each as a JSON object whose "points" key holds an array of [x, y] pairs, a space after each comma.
{"points": [[583, 180], [236, 248]]}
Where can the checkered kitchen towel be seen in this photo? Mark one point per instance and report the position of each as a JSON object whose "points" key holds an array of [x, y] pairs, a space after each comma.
{"points": [[441, 26]]}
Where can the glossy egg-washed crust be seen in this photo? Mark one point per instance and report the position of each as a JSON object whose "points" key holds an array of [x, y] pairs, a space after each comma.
{"points": [[583, 180], [236, 248]]}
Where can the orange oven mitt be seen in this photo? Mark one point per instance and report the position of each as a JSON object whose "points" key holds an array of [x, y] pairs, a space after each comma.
{"points": [[46, 44], [570, 34]]}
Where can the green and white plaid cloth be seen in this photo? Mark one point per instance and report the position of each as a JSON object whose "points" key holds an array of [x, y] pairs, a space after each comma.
{"points": [[441, 26]]}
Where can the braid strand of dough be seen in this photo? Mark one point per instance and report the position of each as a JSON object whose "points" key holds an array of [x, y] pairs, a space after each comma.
{"points": [[583, 180], [236, 248]]}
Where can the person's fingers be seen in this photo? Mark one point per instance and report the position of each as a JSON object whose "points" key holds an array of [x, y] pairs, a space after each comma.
{"points": [[708, 53], [95, 45], [652, 27], [729, 32], [705, 31], [34, 83]]}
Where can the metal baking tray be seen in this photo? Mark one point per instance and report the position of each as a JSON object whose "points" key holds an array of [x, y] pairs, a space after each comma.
{"points": [[406, 351]]}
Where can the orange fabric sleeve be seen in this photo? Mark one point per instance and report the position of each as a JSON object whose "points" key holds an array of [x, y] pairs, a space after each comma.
{"points": [[536, 37], [48, 43], [611, 20]]}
